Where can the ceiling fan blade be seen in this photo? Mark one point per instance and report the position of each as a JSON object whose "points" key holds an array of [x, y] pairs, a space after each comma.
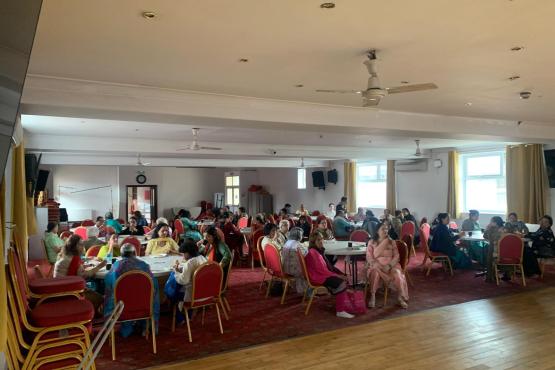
{"points": [[188, 147], [341, 91], [209, 148], [411, 88], [370, 102]]}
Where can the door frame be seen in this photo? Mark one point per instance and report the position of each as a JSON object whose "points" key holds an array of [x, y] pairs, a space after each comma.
{"points": [[153, 210]]}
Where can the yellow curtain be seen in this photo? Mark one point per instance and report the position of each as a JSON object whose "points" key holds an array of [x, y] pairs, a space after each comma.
{"points": [[527, 182], [390, 195], [350, 169], [23, 212], [3, 287], [453, 190]]}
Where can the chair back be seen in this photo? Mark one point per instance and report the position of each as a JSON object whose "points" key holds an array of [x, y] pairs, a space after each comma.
{"points": [[136, 290], [243, 222], [93, 251], [226, 281], [425, 229], [291, 223], [409, 228], [178, 226], [511, 248], [271, 219], [147, 229], [453, 225], [273, 260], [302, 263], [121, 221], [249, 222], [207, 284], [18, 279], [65, 234], [220, 234], [403, 254], [260, 252], [136, 243], [109, 230], [87, 223], [360, 236], [315, 213], [81, 231]]}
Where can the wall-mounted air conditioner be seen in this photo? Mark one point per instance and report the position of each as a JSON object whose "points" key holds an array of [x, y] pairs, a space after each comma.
{"points": [[411, 165]]}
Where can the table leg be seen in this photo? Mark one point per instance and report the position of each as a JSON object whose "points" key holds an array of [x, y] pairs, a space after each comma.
{"points": [[355, 271]]}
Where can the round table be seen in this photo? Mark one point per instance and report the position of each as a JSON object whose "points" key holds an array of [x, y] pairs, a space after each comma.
{"points": [[121, 238], [161, 266], [341, 248]]}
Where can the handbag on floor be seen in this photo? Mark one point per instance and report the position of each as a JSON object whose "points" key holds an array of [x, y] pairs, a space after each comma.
{"points": [[352, 302]]}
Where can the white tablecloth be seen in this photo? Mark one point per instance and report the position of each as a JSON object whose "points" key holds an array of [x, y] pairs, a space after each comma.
{"points": [[160, 266], [341, 248]]}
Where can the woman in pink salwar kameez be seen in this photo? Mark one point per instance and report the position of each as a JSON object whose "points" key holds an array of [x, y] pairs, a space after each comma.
{"points": [[382, 263]]}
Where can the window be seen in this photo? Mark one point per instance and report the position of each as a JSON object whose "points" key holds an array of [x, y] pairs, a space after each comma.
{"points": [[232, 196], [301, 178], [371, 184], [483, 182]]}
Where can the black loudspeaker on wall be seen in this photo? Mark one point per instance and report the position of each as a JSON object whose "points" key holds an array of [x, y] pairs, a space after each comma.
{"points": [[550, 164], [332, 176], [42, 178], [318, 180]]}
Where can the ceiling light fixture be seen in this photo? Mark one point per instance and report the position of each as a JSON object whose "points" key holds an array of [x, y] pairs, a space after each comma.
{"points": [[517, 48], [468, 104], [243, 60], [327, 5], [515, 77], [149, 15], [299, 85], [405, 82]]}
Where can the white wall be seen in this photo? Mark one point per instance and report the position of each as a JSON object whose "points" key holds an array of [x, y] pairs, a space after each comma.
{"points": [[177, 187], [282, 184], [69, 179]]}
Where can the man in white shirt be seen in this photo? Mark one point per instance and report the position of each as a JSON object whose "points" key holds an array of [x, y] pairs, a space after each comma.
{"points": [[331, 211]]}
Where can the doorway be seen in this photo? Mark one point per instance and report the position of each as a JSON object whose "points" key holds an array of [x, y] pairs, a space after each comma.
{"points": [[143, 198]]}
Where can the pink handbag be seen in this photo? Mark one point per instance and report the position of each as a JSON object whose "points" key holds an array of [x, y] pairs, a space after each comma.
{"points": [[352, 302]]}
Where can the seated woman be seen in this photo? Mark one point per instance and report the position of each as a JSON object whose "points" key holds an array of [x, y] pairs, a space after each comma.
{"points": [[443, 241], [290, 259], [52, 242], [331, 211], [109, 249], [70, 264], [302, 211], [129, 262], [370, 223], [215, 249], [92, 237], [271, 236], [283, 215], [189, 225], [341, 226], [183, 272], [493, 234], [141, 220], [513, 225], [233, 237], [283, 231], [159, 220], [396, 222], [543, 246], [305, 225], [109, 216], [321, 272], [360, 216], [258, 223], [322, 227], [133, 228], [161, 242], [382, 262]]}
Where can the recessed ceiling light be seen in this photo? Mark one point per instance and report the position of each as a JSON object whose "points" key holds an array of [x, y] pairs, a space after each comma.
{"points": [[405, 82], [468, 104], [327, 5], [243, 60], [515, 77], [149, 15], [299, 85], [517, 48]]}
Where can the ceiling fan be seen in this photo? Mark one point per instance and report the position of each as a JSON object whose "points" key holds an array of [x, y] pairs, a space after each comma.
{"points": [[195, 145], [418, 152], [140, 161], [374, 92]]}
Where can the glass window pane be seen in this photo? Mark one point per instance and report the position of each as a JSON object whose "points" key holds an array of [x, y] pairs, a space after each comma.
{"points": [[383, 172], [235, 180], [229, 181], [301, 178], [229, 195], [236, 196], [367, 173], [371, 194], [486, 195], [483, 166]]}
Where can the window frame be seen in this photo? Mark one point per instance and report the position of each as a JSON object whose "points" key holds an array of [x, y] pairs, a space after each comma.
{"points": [[299, 177], [380, 165], [463, 164], [234, 187]]}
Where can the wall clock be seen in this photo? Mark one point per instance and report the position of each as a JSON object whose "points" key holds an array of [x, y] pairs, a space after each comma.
{"points": [[141, 178]]}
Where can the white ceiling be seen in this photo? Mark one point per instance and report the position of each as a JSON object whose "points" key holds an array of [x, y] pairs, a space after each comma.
{"points": [[462, 46]]}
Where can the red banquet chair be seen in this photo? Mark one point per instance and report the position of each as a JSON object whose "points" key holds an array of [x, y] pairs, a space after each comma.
{"points": [[511, 249], [360, 236], [404, 258], [255, 256], [315, 213], [207, 286], [147, 229], [274, 266], [65, 234], [136, 290], [243, 222], [261, 259], [179, 229], [409, 228], [93, 251], [311, 288], [136, 243], [433, 256], [453, 225], [81, 231], [87, 223]]}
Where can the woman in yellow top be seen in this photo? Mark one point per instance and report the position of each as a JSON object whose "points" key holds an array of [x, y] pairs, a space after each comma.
{"points": [[161, 242]]}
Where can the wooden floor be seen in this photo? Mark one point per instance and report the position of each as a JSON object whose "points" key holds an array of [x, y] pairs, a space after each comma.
{"points": [[512, 332]]}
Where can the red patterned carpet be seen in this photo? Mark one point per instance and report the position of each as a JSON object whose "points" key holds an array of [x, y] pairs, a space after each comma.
{"points": [[256, 320]]}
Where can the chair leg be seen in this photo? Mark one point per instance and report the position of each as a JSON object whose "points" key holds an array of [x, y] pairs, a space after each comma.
{"points": [[542, 269], [413, 250], [252, 261], [385, 293], [219, 319], [188, 325], [523, 277], [173, 317], [262, 282], [223, 309], [284, 291], [304, 294], [202, 318], [227, 306], [450, 266], [153, 325], [430, 267], [113, 338], [309, 302], [269, 287], [514, 273], [409, 279], [496, 274]]}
